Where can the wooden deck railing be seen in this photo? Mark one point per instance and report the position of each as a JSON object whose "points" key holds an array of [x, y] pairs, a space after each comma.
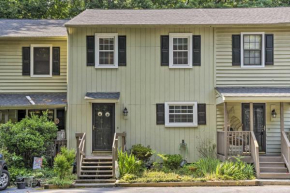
{"points": [[254, 146], [285, 148], [81, 141], [220, 143], [116, 147], [287, 134]]}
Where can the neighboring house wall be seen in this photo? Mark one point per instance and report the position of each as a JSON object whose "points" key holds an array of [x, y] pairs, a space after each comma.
{"points": [[142, 83], [276, 75], [11, 78]]}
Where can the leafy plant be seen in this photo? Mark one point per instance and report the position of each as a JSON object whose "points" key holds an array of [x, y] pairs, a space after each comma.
{"points": [[237, 170], [128, 164], [62, 183], [63, 162], [206, 149], [171, 161], [141, 152], [206, 166]]}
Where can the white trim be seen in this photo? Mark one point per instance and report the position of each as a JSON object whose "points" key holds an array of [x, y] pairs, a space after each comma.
{"points": [[193, 124], [180, 35], [262, 49], [32, 46], [106, 35]]}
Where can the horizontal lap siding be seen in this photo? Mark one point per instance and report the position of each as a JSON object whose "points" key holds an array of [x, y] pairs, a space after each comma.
{"points": [[11, 78], [142, 83], [271, 75]]}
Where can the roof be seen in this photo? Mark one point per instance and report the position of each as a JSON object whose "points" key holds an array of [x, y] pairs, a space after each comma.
{"points": [[32, 28], [32, 99], [221, 16], [253, 91], [103, 95]]}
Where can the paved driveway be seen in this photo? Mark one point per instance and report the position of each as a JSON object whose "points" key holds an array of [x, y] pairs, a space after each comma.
{"points": [[241, 189]]}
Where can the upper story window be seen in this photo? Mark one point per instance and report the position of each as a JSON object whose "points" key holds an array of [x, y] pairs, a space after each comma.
{"points": [[180, 50], [41, 60], [181, 114], [106, 50], [252, 45]]}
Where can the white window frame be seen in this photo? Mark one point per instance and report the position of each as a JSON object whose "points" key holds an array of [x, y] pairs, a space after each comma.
{"points": [[32, 46], [262, 50], [97, 53], [180, 35], [193, 124]]}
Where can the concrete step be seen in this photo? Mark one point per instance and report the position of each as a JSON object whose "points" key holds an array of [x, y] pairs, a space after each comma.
{"points": [[272, 175], [94, 185], [271, 159], [87, 181], [93, 167], [97, 171], [97, 176], [272, 164], [273, 169]]}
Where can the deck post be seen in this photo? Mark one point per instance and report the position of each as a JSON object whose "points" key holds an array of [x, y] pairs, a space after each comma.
{"points": [[226, 148], [282, 116], [251, 117]]}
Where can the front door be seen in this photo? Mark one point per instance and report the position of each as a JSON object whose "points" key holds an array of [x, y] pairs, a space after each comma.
{"points": [[103, 126], [259, 122]]}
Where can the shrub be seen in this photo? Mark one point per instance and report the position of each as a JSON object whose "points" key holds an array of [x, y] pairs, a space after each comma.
{"points": [[12, 159], [15, 172], [128, 164], [141, 152], [171, 161], [206, 166], [237, 170], [32, 136], [63, 162], [62, 183]]}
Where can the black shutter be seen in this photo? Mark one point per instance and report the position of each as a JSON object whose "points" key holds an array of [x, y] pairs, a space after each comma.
{"points": [[269, 49], [236, 50], [90, 50], [56, 61], [26, 61], [160, 115], [201, 109], [196, 50], [164, 50], [122, 50]]}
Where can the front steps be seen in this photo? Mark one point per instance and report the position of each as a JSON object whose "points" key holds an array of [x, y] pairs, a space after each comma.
{"points": [[273, 167], [96, 171]]}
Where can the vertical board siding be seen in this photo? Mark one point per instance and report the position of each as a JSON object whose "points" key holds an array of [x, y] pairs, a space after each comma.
{"points": [[11, 78], [270, 75], [142, 83]]}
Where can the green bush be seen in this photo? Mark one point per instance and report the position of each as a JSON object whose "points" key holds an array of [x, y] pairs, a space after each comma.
{"points": [[171, 161], [237, 170], [206, 166], [141, 152], [62, 183], [32, 136], [63, 162], [128, 164]]}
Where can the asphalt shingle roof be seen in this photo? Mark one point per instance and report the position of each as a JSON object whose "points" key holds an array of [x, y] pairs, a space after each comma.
{"points": [[253, 91], [278, 15], [103, 95], [20, 99], [32, 28]]}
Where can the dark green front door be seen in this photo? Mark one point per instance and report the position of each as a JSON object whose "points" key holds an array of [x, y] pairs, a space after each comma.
{"points": [[103, 126]]}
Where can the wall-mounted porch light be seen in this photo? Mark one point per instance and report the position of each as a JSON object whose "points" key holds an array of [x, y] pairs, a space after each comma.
{"points": [[125, 112], [273, 113]]}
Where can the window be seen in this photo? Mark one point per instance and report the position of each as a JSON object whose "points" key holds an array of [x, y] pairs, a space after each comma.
{"points": [[106, 50], [181, 114], [41, 63], [180, 50], [252, 50]]}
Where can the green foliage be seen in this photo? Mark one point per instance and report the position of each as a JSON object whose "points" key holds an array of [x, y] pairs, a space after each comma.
{"points": [[206, 166], [63, 163], [237, 170], [60, 9], [128, 164], [207, 150], [171, 161], [141, 152], [62, 183], [32, 136]]}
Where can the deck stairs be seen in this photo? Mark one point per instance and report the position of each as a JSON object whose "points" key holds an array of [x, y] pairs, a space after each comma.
{"points": [[96, 171], [273, 167]]}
